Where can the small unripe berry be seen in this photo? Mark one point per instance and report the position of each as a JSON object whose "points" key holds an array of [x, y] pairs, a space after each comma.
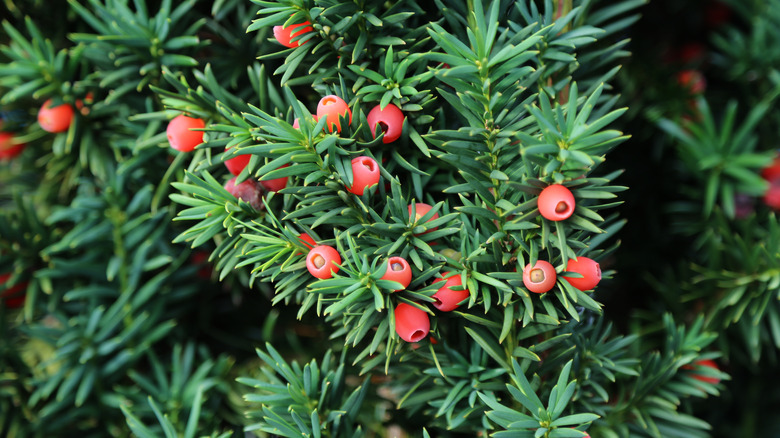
{"points": [[447, 299], [181, 135], [55, 119], [322, 260], [398, 270], [590, 270], [365, 173], [411, 324], [285, 35], [390, 121], [248, 191], [540, 277], [333, 108], [556, 202]]}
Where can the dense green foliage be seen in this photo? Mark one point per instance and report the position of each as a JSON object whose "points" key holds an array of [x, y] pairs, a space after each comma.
{"points": [[157, 303]]}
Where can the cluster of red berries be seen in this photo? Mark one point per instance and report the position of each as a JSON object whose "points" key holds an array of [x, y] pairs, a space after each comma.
{"points": [[185, 133], [411, 323], [541, 276], [389, 120]]}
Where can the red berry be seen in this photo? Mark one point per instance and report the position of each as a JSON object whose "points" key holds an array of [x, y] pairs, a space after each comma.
{"points": [[249, 191], [390, 121], [285, 35], [556, 202], [322, 260], [237, 164], [772, 172], [420, 210], [308, 241], [13, 297], [201, 259], [540, 277], [706, 363], [716, 14], [365, 173], [398, 270], [297, 123], [55, 119], [692, 80], [772, 195], [333, 107], [447, 299], [181, 135], [275, 184], [411, 324], [8, 149], [590, 270]]}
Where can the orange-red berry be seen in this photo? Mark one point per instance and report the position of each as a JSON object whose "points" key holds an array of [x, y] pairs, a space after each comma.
{"points": [[275, 184], [55, 119], [417, 211], [398, 270], [556, 202], [365, 173], [446, 298], [333, 108], [411, 324], [237, 164], [390, 121], [590, 270], [704, 363], [9, 149], [322, 260], [181, 134], [285, 35], [540, 277]]}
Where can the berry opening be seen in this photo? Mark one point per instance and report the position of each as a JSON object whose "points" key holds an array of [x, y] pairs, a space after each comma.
{"points": [[562, 207], [537, 275], [436, 302], [328, 101], [318, 261], [418, 335], [368, 163], [383, 126], [397, 267]]}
